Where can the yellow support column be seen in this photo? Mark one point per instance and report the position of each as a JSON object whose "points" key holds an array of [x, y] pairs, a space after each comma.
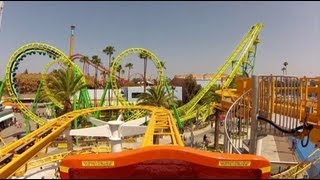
{"points": [[272, 95]]}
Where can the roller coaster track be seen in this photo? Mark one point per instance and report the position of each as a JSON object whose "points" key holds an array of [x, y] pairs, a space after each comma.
{"points": [[18, 153], [59, 156], [114, 78], [187, 111], [43, 161], [241, 52], [99, 67], [312, 159], [12, 66], [113, 70]]}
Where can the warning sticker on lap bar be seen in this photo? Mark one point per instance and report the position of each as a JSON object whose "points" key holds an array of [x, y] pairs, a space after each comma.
{"points": [[97, 163], [234, 163]]}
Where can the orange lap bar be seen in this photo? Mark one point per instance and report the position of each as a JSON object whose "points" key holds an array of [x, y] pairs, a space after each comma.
{"points": [[164, 162]]}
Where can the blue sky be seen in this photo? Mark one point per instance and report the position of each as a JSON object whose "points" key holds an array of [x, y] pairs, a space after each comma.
{"points": [[191, 37]]}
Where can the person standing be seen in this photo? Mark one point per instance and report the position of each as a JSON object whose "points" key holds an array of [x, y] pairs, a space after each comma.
{"points": [[205, 141], [294, 144]]}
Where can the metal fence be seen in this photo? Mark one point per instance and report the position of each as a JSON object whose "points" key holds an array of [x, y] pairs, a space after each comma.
{"points": [[285, 101], [237, 125]]}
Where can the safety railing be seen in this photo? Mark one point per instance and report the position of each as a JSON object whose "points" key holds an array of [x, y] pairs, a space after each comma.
{"points": [[237, 125], [282, 100]]}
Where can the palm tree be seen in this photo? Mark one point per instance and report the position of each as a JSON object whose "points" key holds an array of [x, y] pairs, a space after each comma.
{"points": [[109, 50], [63, 85], [129, 66], [285, 65], [283, 70], [97, 61], [156, 96], [144, 55], [191, 88], [122, 72], [119, 68], [84, 59]]}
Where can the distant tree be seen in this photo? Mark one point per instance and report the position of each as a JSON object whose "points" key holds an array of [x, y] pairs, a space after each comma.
{"points": [[119, 68], [129, 66], [84, 60], [63, 85], [97, 61], [156, 96], [109, 50], [145, 56], [285, 65], [136, 80], [25, 71], [191, 88], [123, 71]]}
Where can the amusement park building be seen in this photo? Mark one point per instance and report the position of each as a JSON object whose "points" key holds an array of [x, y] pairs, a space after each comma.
{"points": [[201, 79], [129, 93], [99, 93]]}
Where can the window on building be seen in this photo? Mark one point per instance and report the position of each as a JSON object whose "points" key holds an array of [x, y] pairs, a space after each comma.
{"points": [[135, 95]]}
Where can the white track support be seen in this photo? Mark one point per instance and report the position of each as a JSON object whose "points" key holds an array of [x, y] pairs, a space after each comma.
{"points": [[115, 139]]}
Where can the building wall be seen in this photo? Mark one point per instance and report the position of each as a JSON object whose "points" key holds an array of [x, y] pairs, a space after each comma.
{"points": [[178, 92], [204, 83], [113, 98], [131, 93]]}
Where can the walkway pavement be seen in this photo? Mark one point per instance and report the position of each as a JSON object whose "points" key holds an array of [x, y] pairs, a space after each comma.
{"points": [[274, 148], [198, 136], [278, 149]]}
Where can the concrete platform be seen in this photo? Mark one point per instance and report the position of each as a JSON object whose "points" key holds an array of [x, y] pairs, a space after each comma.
{"points": [[278, 149]]}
